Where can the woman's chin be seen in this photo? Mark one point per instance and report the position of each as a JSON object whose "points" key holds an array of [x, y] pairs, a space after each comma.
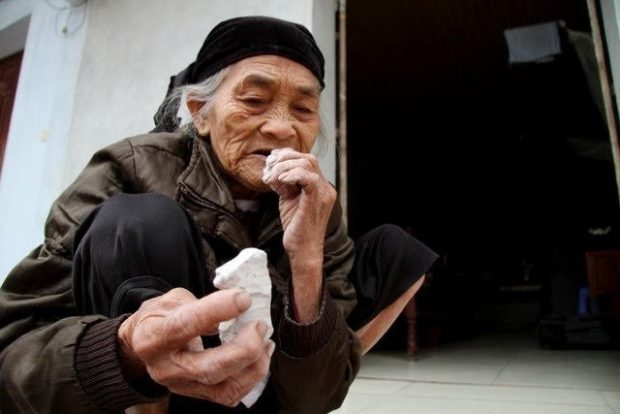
{"points": [[249, 187], [259, 186], [247, 178]]}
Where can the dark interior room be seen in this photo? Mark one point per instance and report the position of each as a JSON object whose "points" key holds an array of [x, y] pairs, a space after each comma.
{"points": [[500, 163]]}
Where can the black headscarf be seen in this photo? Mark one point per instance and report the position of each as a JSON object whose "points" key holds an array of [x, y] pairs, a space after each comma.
{"points": [[239, 38]]}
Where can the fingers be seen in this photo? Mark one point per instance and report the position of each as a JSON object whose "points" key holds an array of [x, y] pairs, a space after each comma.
{"points": [[214, 365], [175, 321], [202, 316], [288, 171], [223, 374], [164, 335], [281, 155], [297, 171], [230, 391]]}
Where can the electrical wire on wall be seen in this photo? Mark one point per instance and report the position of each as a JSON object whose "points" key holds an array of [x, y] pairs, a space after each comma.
{"points": [[70, 17]]}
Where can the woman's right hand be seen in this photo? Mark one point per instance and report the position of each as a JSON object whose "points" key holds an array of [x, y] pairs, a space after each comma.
{"points": [[162, 338]]}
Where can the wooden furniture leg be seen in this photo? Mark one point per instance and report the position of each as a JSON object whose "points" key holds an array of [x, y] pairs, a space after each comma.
{"points": [[410, 315]]}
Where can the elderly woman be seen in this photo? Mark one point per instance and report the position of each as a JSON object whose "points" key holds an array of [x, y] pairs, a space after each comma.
{"points": [[117, 307]]}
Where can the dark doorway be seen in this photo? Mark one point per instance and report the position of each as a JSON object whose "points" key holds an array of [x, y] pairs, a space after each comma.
{"points": [[504, 169], [9, 74]]}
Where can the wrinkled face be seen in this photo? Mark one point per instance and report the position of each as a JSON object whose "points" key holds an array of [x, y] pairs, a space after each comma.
{"points": [[264, 102]]}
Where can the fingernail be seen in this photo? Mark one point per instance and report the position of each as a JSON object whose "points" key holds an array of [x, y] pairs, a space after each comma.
{"points": [[271, 346], [261, 328], [243, 300]]}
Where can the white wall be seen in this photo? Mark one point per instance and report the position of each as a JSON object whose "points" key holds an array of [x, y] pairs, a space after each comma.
{"points": [[36, 147], [13, 37], [104, 82], [14, 10], [324, 30]]}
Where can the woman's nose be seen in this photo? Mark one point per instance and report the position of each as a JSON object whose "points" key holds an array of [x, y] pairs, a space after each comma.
{"points": [[279, 125]]}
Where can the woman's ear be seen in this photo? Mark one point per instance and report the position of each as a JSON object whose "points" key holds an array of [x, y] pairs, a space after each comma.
{"points": [[199, 119]]}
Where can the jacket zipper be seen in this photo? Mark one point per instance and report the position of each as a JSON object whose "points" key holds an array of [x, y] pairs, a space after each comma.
{"points": [[212, 206]]}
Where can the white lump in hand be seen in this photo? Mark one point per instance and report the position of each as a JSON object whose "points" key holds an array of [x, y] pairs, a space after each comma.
{"points": [[247, 271], [269, 163]]}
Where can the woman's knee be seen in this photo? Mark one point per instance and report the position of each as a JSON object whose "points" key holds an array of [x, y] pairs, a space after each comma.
{"points": [[386, 239], [390, 232], [151, 215], [139, 237], [137, 226]]}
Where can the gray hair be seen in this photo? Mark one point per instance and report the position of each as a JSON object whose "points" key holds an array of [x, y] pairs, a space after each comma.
{"points": [[175, 106]]}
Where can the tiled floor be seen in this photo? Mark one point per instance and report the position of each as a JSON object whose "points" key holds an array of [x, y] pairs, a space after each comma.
{"points": [[503, 374]]}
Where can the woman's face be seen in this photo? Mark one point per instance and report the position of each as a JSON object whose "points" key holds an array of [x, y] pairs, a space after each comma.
{"points": [[264, 102]]}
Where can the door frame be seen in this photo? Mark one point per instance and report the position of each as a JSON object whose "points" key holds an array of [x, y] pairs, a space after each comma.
{"points": [[11, 64], [601, 48]]}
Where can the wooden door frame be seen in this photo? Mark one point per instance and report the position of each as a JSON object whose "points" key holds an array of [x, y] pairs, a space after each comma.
{"points": [[9, 61], [341, 139], [611, 115]]}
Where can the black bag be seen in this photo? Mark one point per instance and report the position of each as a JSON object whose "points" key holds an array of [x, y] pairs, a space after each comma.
{"points": [[562, 332]]}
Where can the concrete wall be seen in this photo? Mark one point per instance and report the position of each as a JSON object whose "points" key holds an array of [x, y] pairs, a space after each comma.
{"points": [[103, 82], [324, 29], [13, 10], [32, 173], [13, 36]]}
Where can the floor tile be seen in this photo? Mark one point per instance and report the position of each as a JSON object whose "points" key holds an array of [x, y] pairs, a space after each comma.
{"points": [[613, 400], [355, 403], [501, 374], [569, 369], [457, 367], [533, 395], [419, 405], [369, 386]]}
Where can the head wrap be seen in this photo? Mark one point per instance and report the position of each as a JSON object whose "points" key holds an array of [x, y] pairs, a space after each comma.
{"points": [[242, 37]]}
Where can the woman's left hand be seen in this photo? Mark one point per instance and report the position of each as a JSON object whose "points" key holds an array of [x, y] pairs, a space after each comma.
{"points": [[306, 202], [306, 199]]}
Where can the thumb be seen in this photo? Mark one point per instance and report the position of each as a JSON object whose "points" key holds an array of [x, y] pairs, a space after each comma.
{"points": [[203, 316]]}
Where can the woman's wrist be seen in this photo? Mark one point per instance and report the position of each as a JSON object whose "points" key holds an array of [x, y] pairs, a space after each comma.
{"points": [[307, 285], [131, 366]]}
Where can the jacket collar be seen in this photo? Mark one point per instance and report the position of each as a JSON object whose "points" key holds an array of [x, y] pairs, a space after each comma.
{"points": [[214, 209], [204, 177]]}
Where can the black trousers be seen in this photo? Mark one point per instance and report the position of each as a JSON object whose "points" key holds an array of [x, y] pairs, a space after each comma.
{"points": [[136, 246]]}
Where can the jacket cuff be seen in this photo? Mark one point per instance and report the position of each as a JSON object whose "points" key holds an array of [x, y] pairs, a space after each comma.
{"points": [[100, 373], [300, 340]]}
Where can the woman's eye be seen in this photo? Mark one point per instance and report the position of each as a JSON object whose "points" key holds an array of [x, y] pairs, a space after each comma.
{"points": [[304, 110], [253, 101]]}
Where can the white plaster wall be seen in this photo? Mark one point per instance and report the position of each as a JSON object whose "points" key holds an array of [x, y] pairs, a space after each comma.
{"points": [[35, 154], [14, 10], [13, 37], [324, 30]]}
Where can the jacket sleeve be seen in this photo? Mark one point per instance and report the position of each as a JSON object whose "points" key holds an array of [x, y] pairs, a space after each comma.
{"points": [[40, 332], [317, 362]]}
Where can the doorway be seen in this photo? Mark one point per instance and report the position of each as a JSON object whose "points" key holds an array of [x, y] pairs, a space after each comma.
{"points": [[509, 175]]}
